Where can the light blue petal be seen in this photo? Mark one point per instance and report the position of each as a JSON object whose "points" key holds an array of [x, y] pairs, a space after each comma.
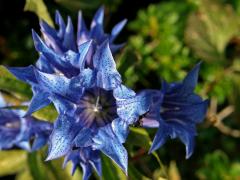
{"points": [[131, 109], [86, 79], [107, 75], [58, 84], [61, 139], [98, 17], [107, 142], [117, 29], [120, 129], [122, 93]]}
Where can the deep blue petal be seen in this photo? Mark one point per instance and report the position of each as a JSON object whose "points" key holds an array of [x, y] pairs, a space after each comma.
{"points": [[44, 65], [62, 26], [39, 100], [82, 31], [69, 39], [39, 142], [83, 50], [160, 137], [25, 74], [184, 111], [55, 59], [84, 138], [87, 170]]}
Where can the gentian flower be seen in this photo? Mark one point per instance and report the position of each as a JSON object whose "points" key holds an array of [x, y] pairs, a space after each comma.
{"points": [[63, 39], [62, 54], [175, 111], [95, 109], [87, 158], [27, 133]]}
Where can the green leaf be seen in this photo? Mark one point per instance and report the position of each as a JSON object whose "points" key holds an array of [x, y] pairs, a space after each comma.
{"points": [[36, 166], [12, 162], [47, 113], [51, 170], [10, 84], [110, 171], [25, 175], [139, 137], [39, 8], [210, 29], [134, 174]]}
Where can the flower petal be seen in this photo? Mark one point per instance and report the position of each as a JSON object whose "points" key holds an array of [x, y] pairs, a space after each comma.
{"points": [[82, 31], [98, 17], [25, 74], [44, 65], [59, 21], [58, 84], [130, 109], [120, 129], [107, 75], [69, 39], [117, 29], [84, 138], [107, 142], [83, 50], [39, 100], [61, 139]]}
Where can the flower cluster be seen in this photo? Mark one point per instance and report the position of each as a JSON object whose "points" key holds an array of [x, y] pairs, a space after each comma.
{"points": [[95, 109]]}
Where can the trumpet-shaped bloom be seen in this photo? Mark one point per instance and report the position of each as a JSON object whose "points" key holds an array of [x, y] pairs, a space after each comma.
{"points": [[176, 110], [25, 132]]}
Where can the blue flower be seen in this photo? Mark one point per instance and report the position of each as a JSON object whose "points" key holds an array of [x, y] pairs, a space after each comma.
{"points": [[63, 39], [176, 110], [25, 132], [87, 158], [95, 109], [62, 54]]}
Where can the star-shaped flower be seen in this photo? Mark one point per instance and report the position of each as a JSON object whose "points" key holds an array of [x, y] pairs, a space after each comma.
{"points": [[95, 109], [61, 53], [175, 111]]}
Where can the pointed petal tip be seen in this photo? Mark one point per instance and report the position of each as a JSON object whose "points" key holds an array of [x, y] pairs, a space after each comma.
{"points": [[188, 154]]}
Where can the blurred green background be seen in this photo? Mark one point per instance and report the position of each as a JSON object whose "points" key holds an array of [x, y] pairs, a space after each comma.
{"points": [[164, 39]]}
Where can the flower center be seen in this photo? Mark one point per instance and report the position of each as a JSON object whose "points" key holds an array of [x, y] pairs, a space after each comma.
{"points": [[97, 107]]}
